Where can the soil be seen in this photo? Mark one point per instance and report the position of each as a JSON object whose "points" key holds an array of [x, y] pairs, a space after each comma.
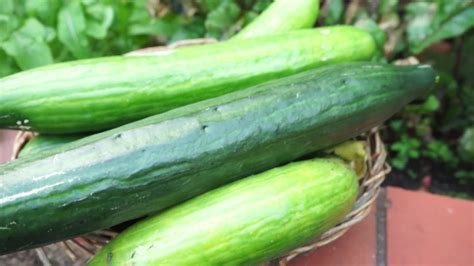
{"points": [[429, 176]]}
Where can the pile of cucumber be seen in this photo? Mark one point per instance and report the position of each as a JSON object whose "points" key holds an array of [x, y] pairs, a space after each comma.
{"points": [[205, 140]]}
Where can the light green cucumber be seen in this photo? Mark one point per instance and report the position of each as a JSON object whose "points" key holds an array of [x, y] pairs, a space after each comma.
{"points": [[282, 16], [97, 94], [243, 223]]}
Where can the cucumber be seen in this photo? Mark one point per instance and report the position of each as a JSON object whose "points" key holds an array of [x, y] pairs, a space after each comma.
{"points": [[97, 94], [43, 143], [246, 222], [147, 166], [282, 16]]}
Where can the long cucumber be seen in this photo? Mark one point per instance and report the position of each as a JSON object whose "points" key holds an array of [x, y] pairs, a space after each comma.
{"points": [[97, 94], [155, 163], [281, 16]]}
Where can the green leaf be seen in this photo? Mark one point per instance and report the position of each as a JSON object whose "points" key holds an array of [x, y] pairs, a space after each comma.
{"points": [[466, 145], [456, 26], [261, 5], [446, 9], [164, 26], [8, 24], [439, 151], [96, 29], [431, 104], [430, 22], [7, 65], [45, 10], [396, 125], [72, 29], [221, 18], [89, 2], [334, 12], [9, 19], [190, 31], [248, 17], [100, 20], [208, 5], [139, 14], [50, 34], [420, 16], [388, 6], [377, 33], [413, 154], [405, 148], [7, 6], [399, 162], [28, 47], [461, 195], [100, 12], [423, 127]]}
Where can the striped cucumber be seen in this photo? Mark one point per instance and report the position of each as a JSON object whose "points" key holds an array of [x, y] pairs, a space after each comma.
{"points": [[246, 222], [97, 94]]}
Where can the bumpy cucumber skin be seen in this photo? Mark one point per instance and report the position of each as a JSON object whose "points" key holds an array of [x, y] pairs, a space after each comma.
{"points": [[280, 17], [98, 94], [245, 222], [43, 143], [147, 166]]}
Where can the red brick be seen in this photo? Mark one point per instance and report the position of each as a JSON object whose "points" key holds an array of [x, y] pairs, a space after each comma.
{"points": [[427, 229], [6, 144]]}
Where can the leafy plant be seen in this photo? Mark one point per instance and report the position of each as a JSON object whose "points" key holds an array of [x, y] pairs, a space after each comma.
{"points": [[39, 32], [28, 44], [406, 148], [466, 145], [439, 151], [432, 21]]}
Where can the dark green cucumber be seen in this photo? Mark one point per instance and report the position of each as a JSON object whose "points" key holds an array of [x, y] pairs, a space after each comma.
{"points": [[97, 94], [282, 16], [149, 165], [43, 143], [246, 222]]}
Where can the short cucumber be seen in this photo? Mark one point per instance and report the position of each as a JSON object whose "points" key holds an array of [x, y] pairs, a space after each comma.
{"points": [[282, 16], [246, 222], [97, 94], [152, 164]]}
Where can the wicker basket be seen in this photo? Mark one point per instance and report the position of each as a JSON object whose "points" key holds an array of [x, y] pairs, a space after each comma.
{"points": [[82, 248]]}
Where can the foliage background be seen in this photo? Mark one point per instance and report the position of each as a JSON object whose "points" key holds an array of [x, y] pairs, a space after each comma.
{"points": [[431, 142]]}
